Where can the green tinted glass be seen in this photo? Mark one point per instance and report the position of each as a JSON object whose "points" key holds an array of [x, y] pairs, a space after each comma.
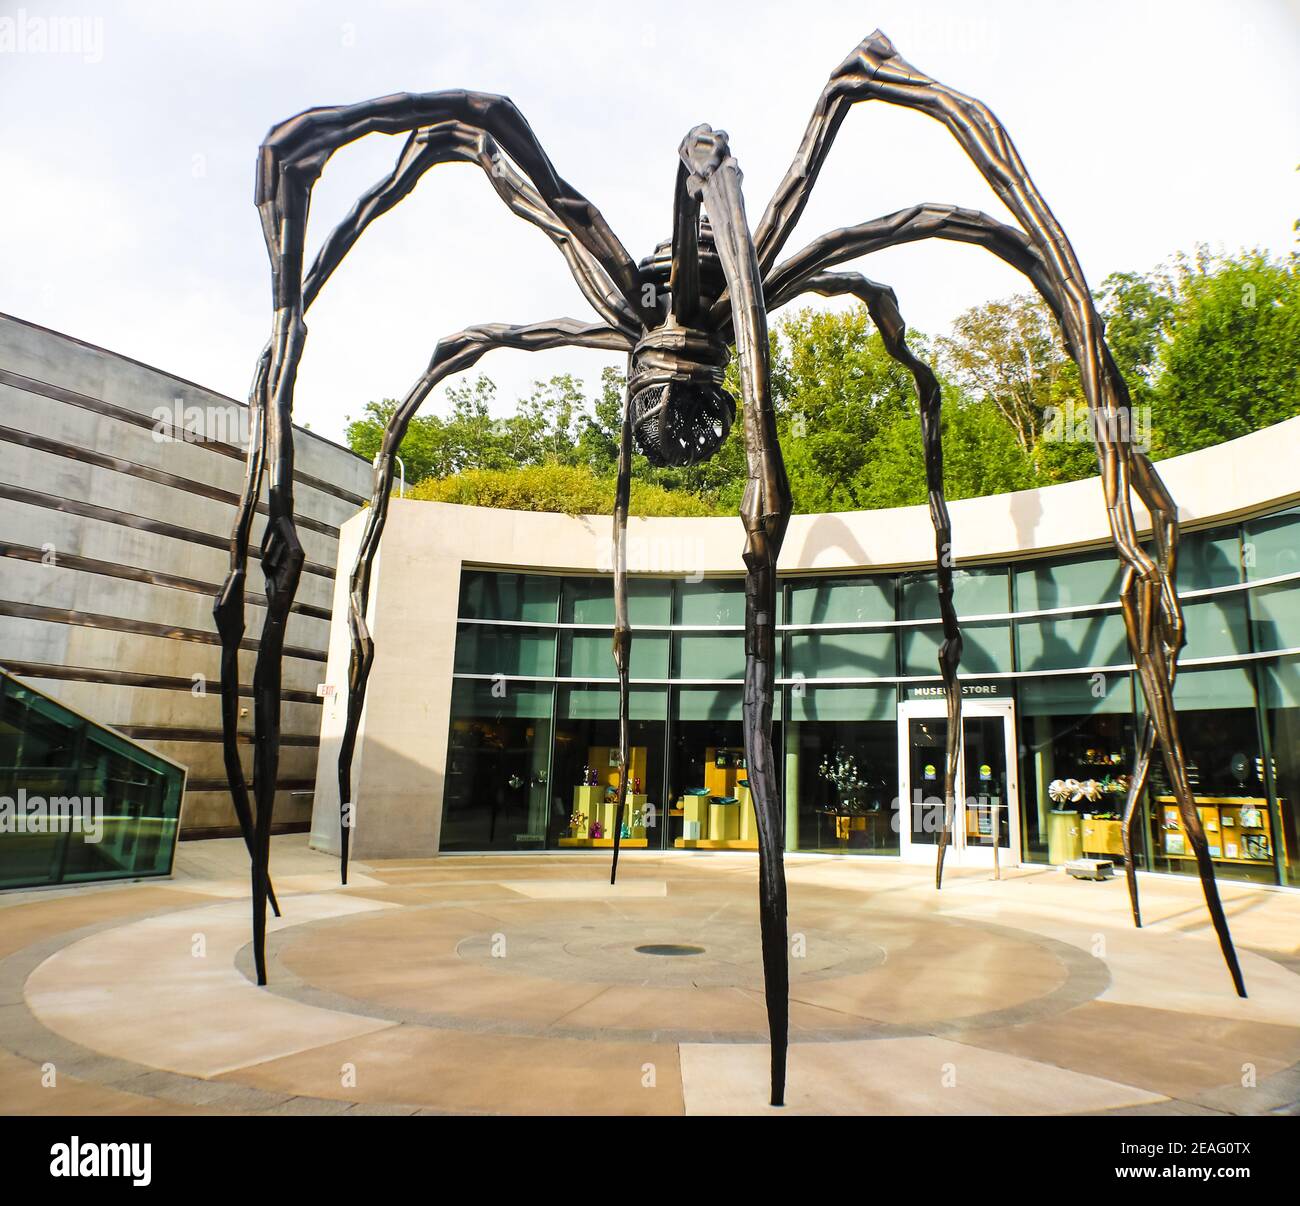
{"points": [[986, 648], [976, 592], [488, 595], [590, 655], [842, 654], [1210, 558], [591, 601], [1216, 626], [1094, 639], [707, 655], [481, 649], [1076, 582], [836, 600], [1271, 546], [93, 804], [711, 601]]}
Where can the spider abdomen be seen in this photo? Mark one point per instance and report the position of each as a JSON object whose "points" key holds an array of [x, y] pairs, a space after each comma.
{"points": [[680, 412]]}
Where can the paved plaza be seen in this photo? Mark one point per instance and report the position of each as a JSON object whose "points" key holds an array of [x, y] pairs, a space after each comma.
{"points": [[516, 985]]}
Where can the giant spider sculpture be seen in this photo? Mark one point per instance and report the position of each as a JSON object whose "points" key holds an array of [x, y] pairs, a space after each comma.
{"points": [[676, 314]]}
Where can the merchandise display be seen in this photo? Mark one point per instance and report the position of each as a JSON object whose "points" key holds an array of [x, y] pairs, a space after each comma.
{"points": [[1238, 828]]}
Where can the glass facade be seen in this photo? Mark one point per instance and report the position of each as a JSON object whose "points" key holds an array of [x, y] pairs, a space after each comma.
{"points": [[532, 759], [78, 802]]}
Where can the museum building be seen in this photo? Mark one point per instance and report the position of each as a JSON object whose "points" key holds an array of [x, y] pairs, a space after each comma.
{"points": [[491, 719]]}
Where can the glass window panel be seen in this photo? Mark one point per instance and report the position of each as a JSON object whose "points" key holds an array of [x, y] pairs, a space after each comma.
{"points": [[711, 601], [1220, 735], [1275, 616], [496, 790], [97, 806], [841, 770], [1210, 558], [482, 649], [586, 741], [490, 595], [850, 654], [1060, 642], [707, 753], [591, 601], [1281, 689], [1271, 546], [1216, 626], [707, 703], [1075, 696], [844, 703], [711, 655], [834, 600], [986, 649], [590, 655], [479, 698], [976, 592], [1071, 729], [1075, 582]]}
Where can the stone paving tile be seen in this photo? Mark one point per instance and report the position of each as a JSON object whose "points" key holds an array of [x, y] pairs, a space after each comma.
{"points": [[1175, 1054], [450, 1070]]}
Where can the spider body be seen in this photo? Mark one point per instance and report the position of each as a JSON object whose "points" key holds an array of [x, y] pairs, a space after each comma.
{"points": [[676, 315]]}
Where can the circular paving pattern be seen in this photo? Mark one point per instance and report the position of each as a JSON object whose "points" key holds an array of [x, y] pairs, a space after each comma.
{"points": [[577, 969], [522, 986]]}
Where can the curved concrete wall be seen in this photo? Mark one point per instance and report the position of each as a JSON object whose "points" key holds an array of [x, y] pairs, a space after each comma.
{"points": [[415, 591], [114, 533]]}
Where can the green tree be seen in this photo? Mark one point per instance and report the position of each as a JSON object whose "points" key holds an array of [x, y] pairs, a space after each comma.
{"points": [[1232, 364], [1010, 353]]}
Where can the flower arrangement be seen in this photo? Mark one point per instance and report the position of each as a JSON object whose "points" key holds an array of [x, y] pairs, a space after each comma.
{"points": [[840, 770]]}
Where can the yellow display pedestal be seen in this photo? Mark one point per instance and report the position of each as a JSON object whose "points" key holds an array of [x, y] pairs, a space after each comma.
{"points": [[1102, 836], [696, 808], [589, 843], [707, 844], [603, 809], [724, 822]]}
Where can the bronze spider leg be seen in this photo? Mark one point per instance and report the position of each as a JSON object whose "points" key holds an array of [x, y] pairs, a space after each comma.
{"points": [[293, 155], [228, 612], [1149, 600], [715, 179], [882, 305], [445, 143], [452, 355]]}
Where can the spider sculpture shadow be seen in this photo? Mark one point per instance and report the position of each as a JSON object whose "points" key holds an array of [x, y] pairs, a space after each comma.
{"points": [[677, 314]]}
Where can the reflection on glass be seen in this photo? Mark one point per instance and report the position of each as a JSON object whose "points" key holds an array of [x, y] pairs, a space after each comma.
{"points": [[985, 759], [1281, 691], [495, 795], [841, 770], [927, 750], [586, 740], [1220, 737], [96, 806], [1073, 731]]}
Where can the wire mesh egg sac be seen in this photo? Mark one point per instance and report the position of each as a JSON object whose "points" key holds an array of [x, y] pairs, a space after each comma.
{"points": [[681, 423]]}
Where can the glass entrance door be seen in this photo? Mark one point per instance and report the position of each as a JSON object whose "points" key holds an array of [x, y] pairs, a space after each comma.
{"points": [[986, 813]]}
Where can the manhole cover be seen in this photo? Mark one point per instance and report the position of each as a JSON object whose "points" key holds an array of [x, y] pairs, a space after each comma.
{"points": [[669, 948]]}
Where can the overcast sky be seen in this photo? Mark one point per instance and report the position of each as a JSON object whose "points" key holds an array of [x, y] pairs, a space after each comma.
{"points": [[126, 169]]}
